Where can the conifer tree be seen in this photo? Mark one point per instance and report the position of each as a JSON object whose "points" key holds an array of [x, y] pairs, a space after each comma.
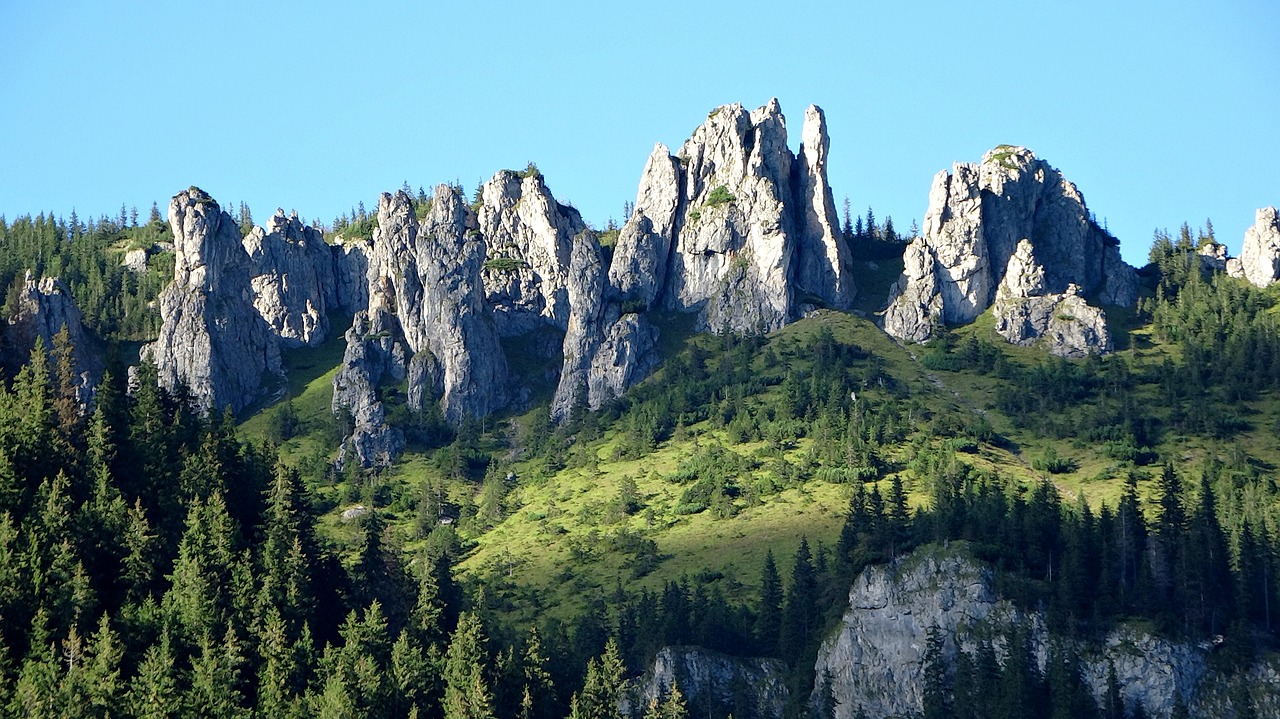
{"points": [[769, 620], [466, 690]]}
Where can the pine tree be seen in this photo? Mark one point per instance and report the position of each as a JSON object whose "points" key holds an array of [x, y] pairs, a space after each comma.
{"points": [[466, 693], [769, 620], [935, 692], [800, 613]]}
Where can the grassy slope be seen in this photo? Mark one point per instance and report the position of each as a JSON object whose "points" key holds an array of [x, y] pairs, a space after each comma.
{"points": [[552, 549]]}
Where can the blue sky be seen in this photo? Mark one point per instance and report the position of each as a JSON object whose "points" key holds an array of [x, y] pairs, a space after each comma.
{"points": [[1159, 111]]}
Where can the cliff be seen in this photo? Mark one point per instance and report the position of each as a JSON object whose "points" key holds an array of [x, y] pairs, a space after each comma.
{"points": [[876, 657], [978, 216]]}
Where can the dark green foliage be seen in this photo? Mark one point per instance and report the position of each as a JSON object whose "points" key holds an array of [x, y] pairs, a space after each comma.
{"points": [[117, 304]]}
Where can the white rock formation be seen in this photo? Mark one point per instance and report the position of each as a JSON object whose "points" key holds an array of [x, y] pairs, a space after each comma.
{"points": [[735, 227], [212, 339], [1260, 254], [977, 215], [294, 283], [1063, 323]]}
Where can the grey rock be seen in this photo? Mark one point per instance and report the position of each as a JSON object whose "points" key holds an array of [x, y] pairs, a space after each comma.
{"points": [[977, 215], [212, 339], [736, 228], [876, 657], [916, 309], [455, 326], [293, 277], [1214, 257], [732, 258], [1063, 323], [823, 266], [44, 308], [627, 354], [428, 320], [639, 268], [1260, 254], [375, 355], [136, 260], [350, 270], [604, 354], [711, 682], [528, 238]]}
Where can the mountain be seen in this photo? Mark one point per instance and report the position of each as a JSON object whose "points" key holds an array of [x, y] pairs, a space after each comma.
{"points": [[491, 459], [735, 230]]}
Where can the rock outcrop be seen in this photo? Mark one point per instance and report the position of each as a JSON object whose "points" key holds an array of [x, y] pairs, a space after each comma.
{"points": [[639, 269], [977, 216], [1260, 254], [375, 354], [604, 352], [212, 339], [293, 277], [735, 227], [714, 684], [876, 658], [1063, 323], [428, 322], [529, 239], [44, 308]]}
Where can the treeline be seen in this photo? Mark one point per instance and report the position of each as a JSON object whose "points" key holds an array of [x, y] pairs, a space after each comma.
{"points": [[87, 256], [152, 564]]}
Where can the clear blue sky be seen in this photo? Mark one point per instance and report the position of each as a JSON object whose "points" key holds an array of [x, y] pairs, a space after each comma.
{"points": [[1159, 111]]}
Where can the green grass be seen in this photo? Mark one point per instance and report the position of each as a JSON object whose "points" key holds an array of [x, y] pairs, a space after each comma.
{"points": [[552, 549], [310, 372]]}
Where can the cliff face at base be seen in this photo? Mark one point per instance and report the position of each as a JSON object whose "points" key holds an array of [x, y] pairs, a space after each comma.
{"points": [[977, 217], [44, 308], [212, 339], [876, 657], [713, 683]]}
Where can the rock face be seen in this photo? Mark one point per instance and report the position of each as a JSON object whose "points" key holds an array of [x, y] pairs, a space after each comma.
{"points": [[294, 283], [735, 227], [528, 238], [375, 353], [714, 684], [977, 216], [604, 353], [875, 659], [1260, 254], [44, 309], [427, 324], [1064, 324], [212, 339]]}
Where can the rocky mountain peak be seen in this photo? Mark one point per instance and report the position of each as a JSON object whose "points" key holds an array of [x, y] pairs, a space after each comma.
{"points": [[212, 339], [529, 241], [977, 217], [293, 278]]}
